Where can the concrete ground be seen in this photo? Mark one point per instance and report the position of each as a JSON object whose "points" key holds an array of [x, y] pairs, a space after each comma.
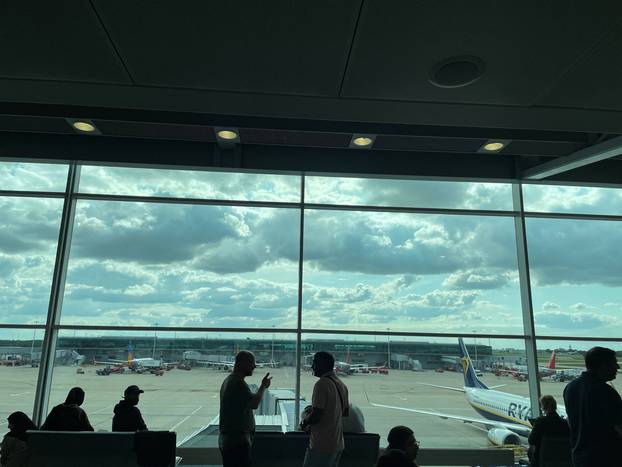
{"points": [[185, 401]]}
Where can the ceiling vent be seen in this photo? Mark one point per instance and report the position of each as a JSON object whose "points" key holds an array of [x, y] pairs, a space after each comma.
{"points": [[456, 72]]}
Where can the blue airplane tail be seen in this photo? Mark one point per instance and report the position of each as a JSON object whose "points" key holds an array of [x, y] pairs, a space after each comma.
{"points": [[470, 378]]}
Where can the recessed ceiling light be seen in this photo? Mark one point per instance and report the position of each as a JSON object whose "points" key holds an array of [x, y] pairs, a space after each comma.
{"points": [[494, 145], [84, 126], [362, 141], [228, 135]]}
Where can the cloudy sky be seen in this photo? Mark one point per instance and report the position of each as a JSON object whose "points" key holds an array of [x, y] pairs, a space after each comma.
{"points": [[193, 265]]}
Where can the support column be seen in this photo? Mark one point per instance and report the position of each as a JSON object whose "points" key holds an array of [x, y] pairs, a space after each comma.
{"points": [[48, 348], [526, 301], [300, 282]]}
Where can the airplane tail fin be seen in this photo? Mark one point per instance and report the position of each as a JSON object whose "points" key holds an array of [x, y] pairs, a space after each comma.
{"points": [[130, 353], [551, 364], [470, 378]]}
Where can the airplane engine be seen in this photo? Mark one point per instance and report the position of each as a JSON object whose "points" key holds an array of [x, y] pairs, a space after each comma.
{"points": [[501, 437]]}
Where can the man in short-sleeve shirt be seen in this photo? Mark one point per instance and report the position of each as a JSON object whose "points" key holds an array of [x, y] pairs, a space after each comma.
{"points": [[594, 412], [329, 404], [237, 402]]}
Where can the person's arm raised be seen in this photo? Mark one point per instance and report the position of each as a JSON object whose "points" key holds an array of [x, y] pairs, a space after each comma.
{"points": [[265, 384]]}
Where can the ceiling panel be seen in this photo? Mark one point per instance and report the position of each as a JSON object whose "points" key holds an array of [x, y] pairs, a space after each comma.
{"points": [[593, 82], [278, 46], [56, 40], [526, 47]]}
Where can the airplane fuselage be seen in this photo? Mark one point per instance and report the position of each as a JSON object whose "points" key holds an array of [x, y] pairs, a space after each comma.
{"points": [[502, 406]]}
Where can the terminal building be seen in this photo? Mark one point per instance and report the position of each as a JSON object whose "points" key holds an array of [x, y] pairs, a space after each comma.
{"points": [[431, 192]]}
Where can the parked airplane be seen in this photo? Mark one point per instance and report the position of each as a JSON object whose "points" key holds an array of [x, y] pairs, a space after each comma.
{"points": [[220, 362], [505, 415], [133, 363], [543, 371]]}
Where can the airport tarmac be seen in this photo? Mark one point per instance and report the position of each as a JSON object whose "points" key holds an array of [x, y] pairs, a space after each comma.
{"points": [[185, 401]]}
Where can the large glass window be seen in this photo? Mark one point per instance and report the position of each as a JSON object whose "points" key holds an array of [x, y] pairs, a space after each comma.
{"points": [[573, 199], [180, 372], [28, 239], [408, 193], [576, 276], [569, 363], [182, 265], [20, 353], [190, 184], [410, 272], [225, 255], [416, 389], [22, 176]]}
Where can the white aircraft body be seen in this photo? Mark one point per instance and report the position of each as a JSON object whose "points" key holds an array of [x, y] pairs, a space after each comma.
{"points": [[505, 415], [543, 371], [136, 362], [220, 362]]}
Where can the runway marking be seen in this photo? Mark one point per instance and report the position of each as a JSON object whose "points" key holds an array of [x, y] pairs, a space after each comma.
{"points": [[185, 419]]}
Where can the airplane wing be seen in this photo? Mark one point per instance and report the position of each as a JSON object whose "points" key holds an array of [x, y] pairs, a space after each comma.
{"points": [[442, 387], [450, 388], [218, 364], [111, 362], [520, 429]]}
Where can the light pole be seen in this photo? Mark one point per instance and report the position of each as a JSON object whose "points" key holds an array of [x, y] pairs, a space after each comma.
{"points": [[389, 347], [476, 365], [32, 347], [272, 357], [155, 338]]}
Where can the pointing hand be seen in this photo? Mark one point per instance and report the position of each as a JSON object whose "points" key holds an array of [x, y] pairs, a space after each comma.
{"points": [[265, 382]]}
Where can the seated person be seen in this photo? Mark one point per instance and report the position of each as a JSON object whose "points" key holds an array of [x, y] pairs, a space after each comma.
{"points": [[68, 416], [549, 425], [354, 422], [402, 449], [127, 416], [14, 450]]}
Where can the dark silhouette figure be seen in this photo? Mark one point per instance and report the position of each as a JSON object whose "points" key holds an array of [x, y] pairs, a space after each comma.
{"points": [[14, 450], [68, 416], [402, 449], [127, 416], [594, 411], [549, 440], [237, 402], [329, 404]]}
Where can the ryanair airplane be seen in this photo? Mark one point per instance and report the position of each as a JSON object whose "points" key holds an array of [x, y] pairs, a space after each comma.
{"points": [[506, 416]]}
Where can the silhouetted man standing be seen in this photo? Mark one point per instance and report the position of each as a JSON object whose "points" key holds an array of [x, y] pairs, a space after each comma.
{"points": [[127, 416], [329, 405], [594, 411], [237, 402]]}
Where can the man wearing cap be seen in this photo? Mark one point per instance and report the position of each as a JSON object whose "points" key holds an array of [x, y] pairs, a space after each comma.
{"points": [[127, 417]]}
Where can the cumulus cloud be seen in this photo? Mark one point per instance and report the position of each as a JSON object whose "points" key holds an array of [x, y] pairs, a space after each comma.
{"points": [[190, 184], [479, 279], [580, 306], [572, 199], [568, 252], [573, 322], [141, 263], [419, 193]]}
